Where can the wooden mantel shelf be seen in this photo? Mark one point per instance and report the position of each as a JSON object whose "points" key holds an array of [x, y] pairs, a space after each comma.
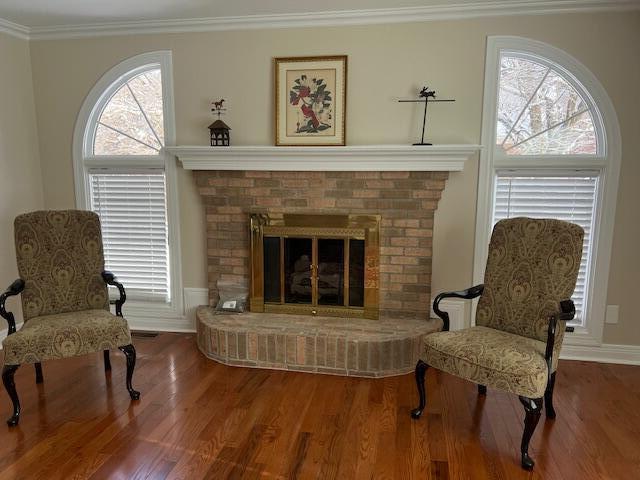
{"points": [[351, 158]]}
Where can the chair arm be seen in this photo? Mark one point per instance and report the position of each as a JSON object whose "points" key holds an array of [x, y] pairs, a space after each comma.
{"points": [[110, 279], [469, 293], [566, 313], [14, 289]]}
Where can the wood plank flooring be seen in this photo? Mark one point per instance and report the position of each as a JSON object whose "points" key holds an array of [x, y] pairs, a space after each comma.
{"points": [[199, 419]]}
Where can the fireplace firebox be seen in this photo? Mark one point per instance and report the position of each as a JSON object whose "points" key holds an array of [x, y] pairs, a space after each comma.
{"points": [[315, 264]]}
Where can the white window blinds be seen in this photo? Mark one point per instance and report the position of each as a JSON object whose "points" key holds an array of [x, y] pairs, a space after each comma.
{"points": [[570, 198], [132, 212]]}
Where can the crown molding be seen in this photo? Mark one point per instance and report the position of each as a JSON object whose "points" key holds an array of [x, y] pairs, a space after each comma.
{"points": [[14, 29], [370, 158], [322, 19]]}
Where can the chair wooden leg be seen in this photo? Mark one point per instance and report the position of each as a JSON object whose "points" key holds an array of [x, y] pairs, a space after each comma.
{"points": [[421, 370], [39, 377], [532, 408], [130, 352], [7, 379], [482, 389], [107, 361], [548, 397]]}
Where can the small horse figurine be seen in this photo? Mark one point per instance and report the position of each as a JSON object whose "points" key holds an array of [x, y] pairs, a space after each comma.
{"points": [[217, 105]]}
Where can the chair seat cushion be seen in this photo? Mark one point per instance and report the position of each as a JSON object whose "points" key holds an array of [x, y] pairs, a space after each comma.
{"points": [[490, 357], [65, 335]]}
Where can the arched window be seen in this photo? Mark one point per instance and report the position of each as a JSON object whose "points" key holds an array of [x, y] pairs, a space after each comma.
{"points": [[124, 176], [540, 112], [551, 150], [132, 121]]}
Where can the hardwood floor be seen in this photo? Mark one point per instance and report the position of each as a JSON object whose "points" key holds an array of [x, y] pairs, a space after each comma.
{"points": [[199, 419]]}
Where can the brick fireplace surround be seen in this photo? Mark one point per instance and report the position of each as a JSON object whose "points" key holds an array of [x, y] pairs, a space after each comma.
{"points": [[406, 202], [400, 183]]}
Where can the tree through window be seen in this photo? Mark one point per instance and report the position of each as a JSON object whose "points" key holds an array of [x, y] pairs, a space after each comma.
{"points": [[540, 112], [131, 123]]}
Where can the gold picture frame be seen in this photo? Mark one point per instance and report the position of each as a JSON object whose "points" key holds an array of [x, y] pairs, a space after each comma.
{"points": [[311, 100]]}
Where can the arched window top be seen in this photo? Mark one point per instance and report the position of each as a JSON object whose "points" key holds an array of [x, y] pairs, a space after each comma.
{"points": [[552, 150], [123, 174], [543, 110], [131, 119]]}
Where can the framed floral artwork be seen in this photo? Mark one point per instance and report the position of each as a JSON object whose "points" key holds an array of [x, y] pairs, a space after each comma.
{"points": [[311, 100]]}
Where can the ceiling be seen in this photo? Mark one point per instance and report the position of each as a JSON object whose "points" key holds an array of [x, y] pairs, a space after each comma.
{"points": [[47, 13], [34, 14], [51, 19]]}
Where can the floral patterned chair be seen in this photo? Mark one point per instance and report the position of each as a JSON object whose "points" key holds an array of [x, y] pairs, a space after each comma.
{"points": [[65, 301], [524, 305]]}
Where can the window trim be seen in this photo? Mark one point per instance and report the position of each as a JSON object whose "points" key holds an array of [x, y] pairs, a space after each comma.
{"points": [[83, 137], [606, 161]]}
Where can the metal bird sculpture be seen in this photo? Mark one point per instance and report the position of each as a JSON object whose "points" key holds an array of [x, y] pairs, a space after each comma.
{"points": [[426, 96]]}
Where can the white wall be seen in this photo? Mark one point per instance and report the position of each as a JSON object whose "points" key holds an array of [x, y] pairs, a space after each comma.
{"points": [[20, 178], [385, 62]]}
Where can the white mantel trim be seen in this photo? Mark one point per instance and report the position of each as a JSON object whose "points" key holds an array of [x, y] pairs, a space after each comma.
{"points": [[450, 158]]}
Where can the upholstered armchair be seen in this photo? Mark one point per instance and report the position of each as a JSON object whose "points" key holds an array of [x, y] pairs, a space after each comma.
{"points": [[65, 302], [524, 304]]}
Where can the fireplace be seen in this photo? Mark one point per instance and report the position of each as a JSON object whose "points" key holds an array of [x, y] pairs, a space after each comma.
{"points": [[402, 203], [321, 208], [315, 264]]}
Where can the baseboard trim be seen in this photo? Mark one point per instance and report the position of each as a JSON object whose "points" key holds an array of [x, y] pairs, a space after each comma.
{"points": [[147, 324], [193, 297], [138, 320], [152, 324], [605, 353], [456, 311]]}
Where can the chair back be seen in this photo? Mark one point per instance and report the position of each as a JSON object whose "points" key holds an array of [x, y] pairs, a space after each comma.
{"points": [[60, 258], [532, 265]]}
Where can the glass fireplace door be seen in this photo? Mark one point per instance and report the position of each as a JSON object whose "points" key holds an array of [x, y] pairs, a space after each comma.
{"points": [[315, 264], [298, 270], [331, 271], [313, 271]]}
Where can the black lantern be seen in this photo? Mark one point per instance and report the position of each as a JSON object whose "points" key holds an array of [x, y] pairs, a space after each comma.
{"points": [[219, 134]]}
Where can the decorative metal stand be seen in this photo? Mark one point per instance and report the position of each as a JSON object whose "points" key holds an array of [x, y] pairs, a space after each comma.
{"points": [[426, 96]]}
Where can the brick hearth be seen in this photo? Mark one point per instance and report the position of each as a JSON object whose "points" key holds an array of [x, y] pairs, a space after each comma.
{"points": [[354, 347], [406, 202]]}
